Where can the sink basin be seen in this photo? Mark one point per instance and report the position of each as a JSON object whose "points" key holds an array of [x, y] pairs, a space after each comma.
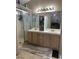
{"points": [[52, 30]]}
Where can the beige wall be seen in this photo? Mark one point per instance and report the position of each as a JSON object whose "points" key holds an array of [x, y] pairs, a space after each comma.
{"points": [[19, 33], [34, 4]]}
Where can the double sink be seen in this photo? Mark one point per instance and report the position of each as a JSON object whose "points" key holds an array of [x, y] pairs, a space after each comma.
{"points": [[51, 31]]}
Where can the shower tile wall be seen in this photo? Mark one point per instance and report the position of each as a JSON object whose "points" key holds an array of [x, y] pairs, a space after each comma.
{"points": [[30, 21], [35, 21], [27, 18]]}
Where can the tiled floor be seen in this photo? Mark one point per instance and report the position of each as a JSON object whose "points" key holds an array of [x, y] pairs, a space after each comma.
{"points": [[33, 52], [26, 55]]}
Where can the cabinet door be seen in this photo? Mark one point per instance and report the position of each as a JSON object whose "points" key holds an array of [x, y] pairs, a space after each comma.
{"points": [[54, 41], [40, 39], [46, 40], [34, 37], [30, 36]]}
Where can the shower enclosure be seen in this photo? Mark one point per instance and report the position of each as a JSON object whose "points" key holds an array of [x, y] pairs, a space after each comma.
{"points": [[27, 21]]}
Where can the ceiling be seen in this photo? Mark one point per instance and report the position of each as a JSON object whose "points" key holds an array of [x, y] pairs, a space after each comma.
{"points": [[35, 4]]}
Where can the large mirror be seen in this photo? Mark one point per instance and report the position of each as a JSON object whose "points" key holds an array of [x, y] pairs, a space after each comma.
{"points": [[52, 20]]}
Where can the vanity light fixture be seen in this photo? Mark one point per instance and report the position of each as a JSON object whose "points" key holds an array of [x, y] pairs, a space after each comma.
{"points": [[47, 9]]}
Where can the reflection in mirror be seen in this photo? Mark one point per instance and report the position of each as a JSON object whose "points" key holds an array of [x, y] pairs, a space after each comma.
{"points": [[52, 20], [55, 20]]}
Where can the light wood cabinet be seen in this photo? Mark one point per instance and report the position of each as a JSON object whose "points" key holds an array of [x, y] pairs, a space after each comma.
{"points": [[54, 41], [34, 37], [44, 39], [29, 37]]}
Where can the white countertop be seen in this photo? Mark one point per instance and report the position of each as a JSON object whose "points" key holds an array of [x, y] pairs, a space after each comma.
{"points": [[49, 31]]}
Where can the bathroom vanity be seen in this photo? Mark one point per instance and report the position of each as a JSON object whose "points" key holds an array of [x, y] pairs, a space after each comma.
{"points": [[48, 32], [49, 38]]}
